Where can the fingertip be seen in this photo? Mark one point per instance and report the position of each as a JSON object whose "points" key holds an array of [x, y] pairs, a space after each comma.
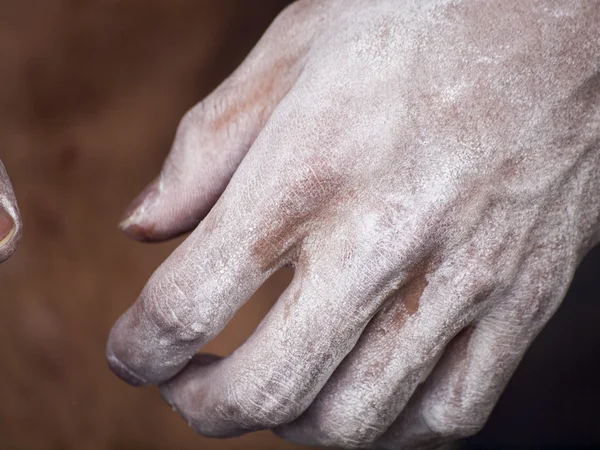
{"points": [[7, 226], [157, 214], [9, 234], [132, 222], [187, 391], [138, 232], [125, 373], [140, 353], [142, 202], [119, 349]]}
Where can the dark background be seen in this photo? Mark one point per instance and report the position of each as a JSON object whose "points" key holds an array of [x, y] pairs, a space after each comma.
{"points": [[553, 400], [90, 94]]}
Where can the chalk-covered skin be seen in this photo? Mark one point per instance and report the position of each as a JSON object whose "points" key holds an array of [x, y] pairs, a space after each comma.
{"points": [[10, 221], [431, 169]]}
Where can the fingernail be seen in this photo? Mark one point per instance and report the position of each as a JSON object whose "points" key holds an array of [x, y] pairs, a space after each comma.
{"points": [[125, 374], [7, 226], [130, 223]]}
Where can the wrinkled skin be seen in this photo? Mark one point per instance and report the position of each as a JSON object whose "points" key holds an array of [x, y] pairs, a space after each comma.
{"points": [[431, 170], [10, 220]]}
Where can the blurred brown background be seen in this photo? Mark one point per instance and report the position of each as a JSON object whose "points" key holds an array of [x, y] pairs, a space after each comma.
{"points": [[90, 94]]}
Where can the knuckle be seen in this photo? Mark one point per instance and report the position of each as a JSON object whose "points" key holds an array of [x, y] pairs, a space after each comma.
{"points": [[535, 297], [189, 123], [171, 308], [260, 401], [292, 13], [190, 117], [215, 121], [207, 120], [185, 142], [317, 175]]}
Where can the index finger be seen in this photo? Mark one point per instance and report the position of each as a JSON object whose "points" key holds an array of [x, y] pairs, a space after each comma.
{"points": [[10, 221]]}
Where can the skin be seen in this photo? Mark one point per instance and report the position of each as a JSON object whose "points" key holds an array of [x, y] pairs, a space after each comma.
{"points": [[10, 220], [431, 170]]}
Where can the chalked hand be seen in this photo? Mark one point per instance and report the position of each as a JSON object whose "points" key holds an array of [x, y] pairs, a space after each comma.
{"points": [[431, 171]]}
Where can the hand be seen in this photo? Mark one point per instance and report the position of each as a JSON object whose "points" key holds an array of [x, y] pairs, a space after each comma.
{"points": [[10, 221], [431, 170]]}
